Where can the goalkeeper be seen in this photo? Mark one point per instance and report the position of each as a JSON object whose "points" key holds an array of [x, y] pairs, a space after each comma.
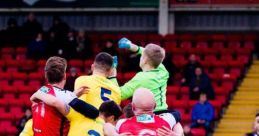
{"points": [[153, 76]]}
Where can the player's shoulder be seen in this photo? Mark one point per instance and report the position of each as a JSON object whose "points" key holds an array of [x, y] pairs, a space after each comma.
{"points": [[119, 123], [169, 118], [83, 78]]}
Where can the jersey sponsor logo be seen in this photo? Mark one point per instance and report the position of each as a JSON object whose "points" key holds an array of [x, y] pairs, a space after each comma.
{"points": [[37, 130], [44, 89], [145, 118]]}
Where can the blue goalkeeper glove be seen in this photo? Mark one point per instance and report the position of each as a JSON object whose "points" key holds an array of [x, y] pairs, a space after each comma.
{"points": [[124, 43], [115, 62]]}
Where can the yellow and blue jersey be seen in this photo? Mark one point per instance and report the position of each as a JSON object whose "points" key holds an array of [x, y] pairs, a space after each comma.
{"points": [[101, 89], [27, 130]]}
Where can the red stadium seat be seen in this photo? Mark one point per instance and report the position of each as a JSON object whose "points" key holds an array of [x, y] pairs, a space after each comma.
{"points": [[154, 38], [192, 103], [218, 46], [8, 127], [179, 60], [235, 72], [12, 63], [218, 37], [16, 112], [180, 104], [186, 118], [173, 90], [41, 63], [170, 37], [198, 132], [201, 47], [76, 63], [249, 45], [5, 76], [18, 83], [7, 50], [8, 89], [7, 56], [128, 76], [234, 45], [21, 50], [170, 46], [170, 100], [18, 75], [36, 76]]}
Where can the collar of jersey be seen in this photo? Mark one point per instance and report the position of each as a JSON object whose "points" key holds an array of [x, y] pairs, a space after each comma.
{"points": [[98, 76], [99, 120]]}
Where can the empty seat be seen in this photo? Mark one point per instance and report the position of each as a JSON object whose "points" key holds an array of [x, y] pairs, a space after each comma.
{"points": [[76, 63], [173, 90], [36, 76], [21, 50], [16, 112], [7, 50], [128, 76], [19, 75], [8, 89], [198, 131]]}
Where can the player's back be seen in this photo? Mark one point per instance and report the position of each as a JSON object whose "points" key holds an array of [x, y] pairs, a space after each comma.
{"points": [[101, 89], [47, 121], [142, 125]]}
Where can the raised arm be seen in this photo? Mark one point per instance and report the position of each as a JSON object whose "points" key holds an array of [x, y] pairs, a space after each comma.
{"points": [[125, 43]]}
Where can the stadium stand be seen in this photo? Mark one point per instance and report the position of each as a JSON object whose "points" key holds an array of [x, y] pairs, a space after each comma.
{"points": [[224, 58]]}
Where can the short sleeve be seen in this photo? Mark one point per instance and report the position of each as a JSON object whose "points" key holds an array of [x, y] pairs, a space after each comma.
{"points": [[169, 118]]}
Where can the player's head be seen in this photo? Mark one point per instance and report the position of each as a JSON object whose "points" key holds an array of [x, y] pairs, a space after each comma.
{"points": [[55, 70], [152, 56], [203, 97], [110, 111], [256, 123], [103, 63], [143, 101], [127, 111], [198, 71]]}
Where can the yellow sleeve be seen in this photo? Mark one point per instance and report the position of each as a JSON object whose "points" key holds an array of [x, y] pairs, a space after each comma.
{"points": [[27, 131], [71, 114]]}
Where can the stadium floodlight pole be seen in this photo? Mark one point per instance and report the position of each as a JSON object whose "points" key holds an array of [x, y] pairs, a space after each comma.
{"points": [[163, 17]]}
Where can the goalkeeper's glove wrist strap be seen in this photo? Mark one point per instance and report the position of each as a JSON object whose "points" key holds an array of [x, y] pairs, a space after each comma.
{"points": [[137, 50]]}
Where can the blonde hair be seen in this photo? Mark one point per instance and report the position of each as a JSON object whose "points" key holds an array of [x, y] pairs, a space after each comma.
{"points": [[155, 54]]}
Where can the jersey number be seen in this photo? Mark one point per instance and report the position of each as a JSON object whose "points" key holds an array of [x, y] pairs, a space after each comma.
{"points": [[93, 133], [103, 92]]}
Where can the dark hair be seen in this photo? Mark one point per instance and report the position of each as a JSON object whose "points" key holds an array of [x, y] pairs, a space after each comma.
{"points": [[257, 114], [55, 69], [103, 61], [127, 110], [110, 108]]}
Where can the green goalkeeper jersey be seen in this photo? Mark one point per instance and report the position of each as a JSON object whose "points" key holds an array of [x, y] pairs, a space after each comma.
{"points": [[155, 80]]}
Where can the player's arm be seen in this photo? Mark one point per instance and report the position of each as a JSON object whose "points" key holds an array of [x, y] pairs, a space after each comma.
{"points": [[164, 131], [125, 43], [128, 88], [63, 107], [50, 100]]}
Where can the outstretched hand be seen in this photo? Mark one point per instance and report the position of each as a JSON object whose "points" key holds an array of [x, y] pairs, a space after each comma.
{"points": [[124, 43]]}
